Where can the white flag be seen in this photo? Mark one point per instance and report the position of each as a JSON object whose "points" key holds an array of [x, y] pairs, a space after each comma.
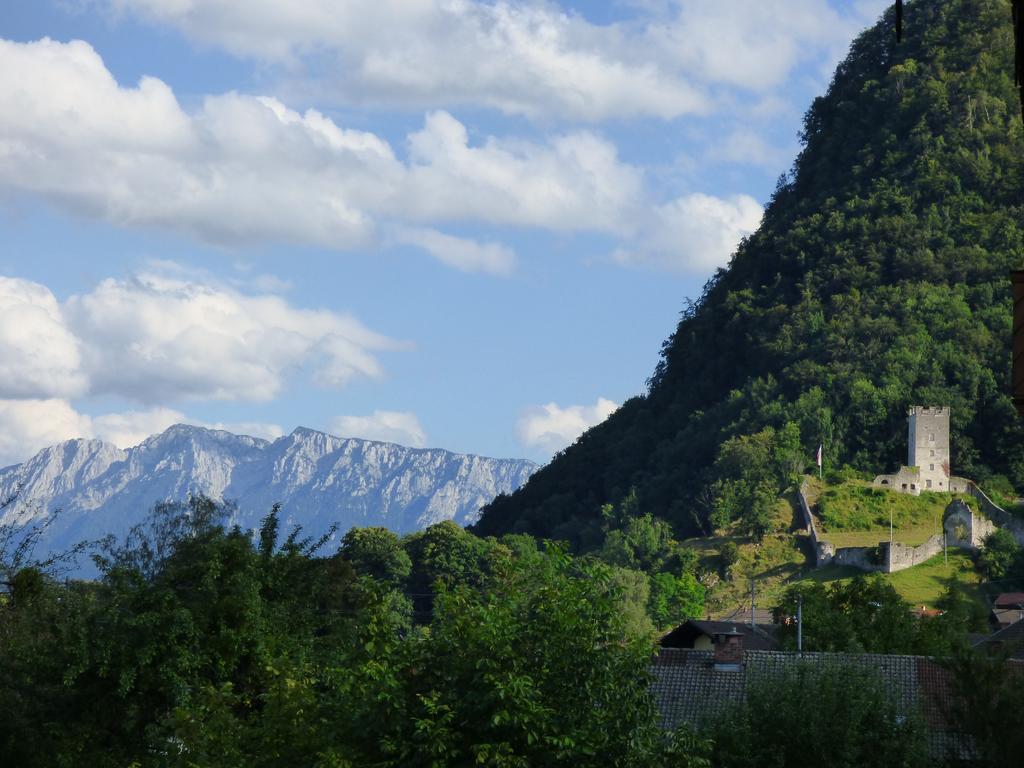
{"points": [[819, 456]]}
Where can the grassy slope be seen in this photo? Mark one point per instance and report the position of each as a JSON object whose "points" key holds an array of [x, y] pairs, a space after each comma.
{"points": [[921, 585], [774, 562], [855, 514], [780, 561]]}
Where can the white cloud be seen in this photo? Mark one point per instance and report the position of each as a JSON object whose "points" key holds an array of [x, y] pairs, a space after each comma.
{"points": [[552, 427], [130, 428], [246, 169], [39, 356], [754, 45], [694, 233], [574, 182], [529, 58], [747, 147], [261, 429], [27, 426], [153, 338], [387, 426], [462, 253]]}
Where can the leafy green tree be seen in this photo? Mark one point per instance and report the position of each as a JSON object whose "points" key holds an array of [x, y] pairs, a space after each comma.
{"points": [[864, 615], [445, 552], [538, 669], [949, 633], [728, 555], [647, 544], [986, 704], [999, 551], [632, 590], [673, 599], [751, 470], [377, 552], [815, 714]]}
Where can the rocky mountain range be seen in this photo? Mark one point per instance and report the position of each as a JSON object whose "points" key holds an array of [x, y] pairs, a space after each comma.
{"points": [[318, 478]]}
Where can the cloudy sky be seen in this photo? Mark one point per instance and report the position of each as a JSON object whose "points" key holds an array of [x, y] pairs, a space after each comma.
{"points": [[444, 223]]}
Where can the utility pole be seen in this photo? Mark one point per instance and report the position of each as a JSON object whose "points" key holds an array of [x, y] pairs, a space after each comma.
{"points": [[799, 623], [751, 602]]}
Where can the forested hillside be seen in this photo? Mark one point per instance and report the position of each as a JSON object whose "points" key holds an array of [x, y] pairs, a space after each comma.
{"points": [[878, 279]]}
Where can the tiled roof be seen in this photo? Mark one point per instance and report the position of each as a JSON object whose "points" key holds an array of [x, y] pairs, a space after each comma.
{"points": [[1004, 617], [1009, 600], [688, 689], [761, 637]]}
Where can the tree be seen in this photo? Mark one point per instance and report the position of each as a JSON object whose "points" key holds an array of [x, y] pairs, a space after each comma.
{"points": [[537, 669], [673, 599], [987, 700], [376, 552], [445, 552], [813, 714], [999, 551], [863, 615]]}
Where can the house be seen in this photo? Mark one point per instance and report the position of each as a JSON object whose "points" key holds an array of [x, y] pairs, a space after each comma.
{"points": [[694, 686], [1009, 640], [699, 635], [1007, 609]]}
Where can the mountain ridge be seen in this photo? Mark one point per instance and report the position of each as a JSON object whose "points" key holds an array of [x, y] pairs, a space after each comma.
{"points": [[319, 479]]}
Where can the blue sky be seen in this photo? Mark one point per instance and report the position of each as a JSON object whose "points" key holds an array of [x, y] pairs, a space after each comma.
{"points": [[444, 223]]}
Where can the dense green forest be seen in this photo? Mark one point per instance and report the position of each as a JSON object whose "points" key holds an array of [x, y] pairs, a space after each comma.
{"points": [[878, 279]]}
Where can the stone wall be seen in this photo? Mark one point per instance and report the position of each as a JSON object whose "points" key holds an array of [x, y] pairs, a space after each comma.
{"points": [[997, 514], [865, 558], [907, 480], [886, 557], [963, 527], [898, 557], [823, 551]]}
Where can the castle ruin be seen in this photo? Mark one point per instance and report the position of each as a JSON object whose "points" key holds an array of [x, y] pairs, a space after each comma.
{"points": [[928, 459], [928, 445]]}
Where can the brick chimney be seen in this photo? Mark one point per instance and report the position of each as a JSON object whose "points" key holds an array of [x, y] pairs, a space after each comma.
{"points": [[728, 651]]}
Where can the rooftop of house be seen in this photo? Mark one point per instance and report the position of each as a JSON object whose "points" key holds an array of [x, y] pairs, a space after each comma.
{"points": [[1004, 617], [760, 637], [690, 688], [1009, 600], [1009, 640]]}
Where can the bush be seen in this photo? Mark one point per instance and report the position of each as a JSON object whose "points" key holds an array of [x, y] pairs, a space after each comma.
{"points": [[728, 555]]}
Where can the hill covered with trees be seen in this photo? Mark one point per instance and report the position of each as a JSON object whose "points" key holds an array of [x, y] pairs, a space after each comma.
{"points": [[877, 279]]}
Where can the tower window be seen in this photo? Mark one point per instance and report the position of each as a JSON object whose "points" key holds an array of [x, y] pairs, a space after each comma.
{"points": [[931, 436]]}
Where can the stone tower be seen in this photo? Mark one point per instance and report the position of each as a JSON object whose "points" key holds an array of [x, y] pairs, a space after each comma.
{"points": [[928, 445]]}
